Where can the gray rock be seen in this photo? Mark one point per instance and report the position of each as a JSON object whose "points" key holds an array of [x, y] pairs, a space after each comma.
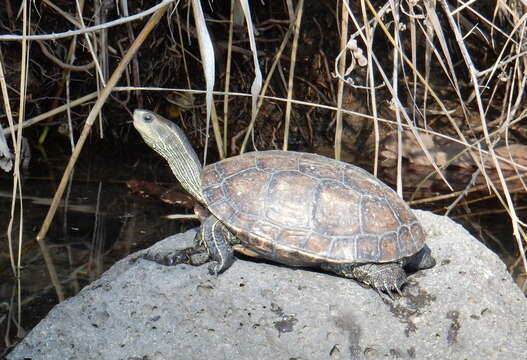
{"points": [[467, 307]]}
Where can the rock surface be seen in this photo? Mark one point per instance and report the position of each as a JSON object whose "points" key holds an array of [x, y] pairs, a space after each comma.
{"points": [[467, 307]]}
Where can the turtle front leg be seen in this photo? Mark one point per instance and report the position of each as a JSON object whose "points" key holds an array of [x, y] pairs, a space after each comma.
{"points": [[216, 238], [212, 242]]}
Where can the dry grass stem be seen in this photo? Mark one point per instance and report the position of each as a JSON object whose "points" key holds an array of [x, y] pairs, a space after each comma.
{"points": [[296, 32], [341, 70], [91, 29], [228, 65], [89, 121]]}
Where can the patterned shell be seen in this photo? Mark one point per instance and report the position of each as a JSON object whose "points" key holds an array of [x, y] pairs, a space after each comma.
{"points": [[301, 209]]}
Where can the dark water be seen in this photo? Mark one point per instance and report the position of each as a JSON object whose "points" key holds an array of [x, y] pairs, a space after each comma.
{"points": [[99, 222]]}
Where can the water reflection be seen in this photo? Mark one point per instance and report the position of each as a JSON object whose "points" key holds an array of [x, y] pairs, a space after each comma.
{"points": [[98, 223]]}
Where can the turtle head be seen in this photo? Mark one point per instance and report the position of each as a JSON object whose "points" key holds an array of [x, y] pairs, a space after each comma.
{"points": [[169, 141], [155, 129]]}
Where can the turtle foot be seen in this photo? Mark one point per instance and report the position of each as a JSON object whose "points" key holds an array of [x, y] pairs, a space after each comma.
{"points": [[388, 278], [214, 268], [189, 256], [217, 267]]}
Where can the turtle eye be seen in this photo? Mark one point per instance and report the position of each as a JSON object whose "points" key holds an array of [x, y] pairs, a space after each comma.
{"points": [[148, 118]]}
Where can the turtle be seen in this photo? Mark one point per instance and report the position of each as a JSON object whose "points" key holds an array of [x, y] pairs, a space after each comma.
{"points": [[294, 208]]}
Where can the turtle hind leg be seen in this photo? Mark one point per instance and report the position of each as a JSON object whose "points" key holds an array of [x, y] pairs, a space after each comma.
{"points": [[216, 238], [385, 277]]}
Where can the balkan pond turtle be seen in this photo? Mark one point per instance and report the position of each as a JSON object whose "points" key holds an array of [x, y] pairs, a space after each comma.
{"points": [[294, 208]]}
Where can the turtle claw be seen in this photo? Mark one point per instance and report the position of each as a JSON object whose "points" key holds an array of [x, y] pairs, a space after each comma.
{"points": [[389, 292], [398, 290], [386, 295], [214, 268]]}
